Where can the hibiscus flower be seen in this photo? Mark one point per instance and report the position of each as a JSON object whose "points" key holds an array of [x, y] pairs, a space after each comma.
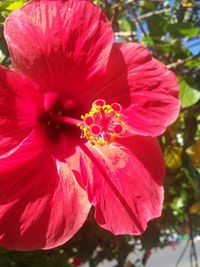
{"points": [[79, 116]]}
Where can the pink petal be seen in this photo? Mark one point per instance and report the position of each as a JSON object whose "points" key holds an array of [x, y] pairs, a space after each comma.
{"points": [[20, 103], [113, 86], [151, 114], [41, 204], [124, 183], [54, 42], [154, 92], [145, 73], [142, 85]]}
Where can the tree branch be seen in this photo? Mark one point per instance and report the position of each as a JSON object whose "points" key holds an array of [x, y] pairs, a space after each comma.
{"points": [[125, 34], [181, 61], [193, 247], [182, 253], [155, 12], [137, 20], [127, 3]]}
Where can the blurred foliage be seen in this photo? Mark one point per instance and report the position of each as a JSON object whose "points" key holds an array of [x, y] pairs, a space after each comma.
{"points": [[170, 30]]}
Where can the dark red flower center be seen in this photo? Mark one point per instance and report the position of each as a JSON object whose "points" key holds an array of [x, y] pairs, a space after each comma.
{"points": [[60, 117]]}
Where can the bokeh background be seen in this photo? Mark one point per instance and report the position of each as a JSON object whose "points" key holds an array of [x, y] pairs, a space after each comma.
{"points": [[171, 31]]}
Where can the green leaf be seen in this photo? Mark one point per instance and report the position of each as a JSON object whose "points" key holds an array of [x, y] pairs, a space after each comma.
{"points": [[2, 57], [159, 28], [149, 5], [173, 156], [183, 29], [193, 63], [148, 41], [11, 5], [177, 203], [124, 25], [188, 95], [166, 47], [189, 32]]}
